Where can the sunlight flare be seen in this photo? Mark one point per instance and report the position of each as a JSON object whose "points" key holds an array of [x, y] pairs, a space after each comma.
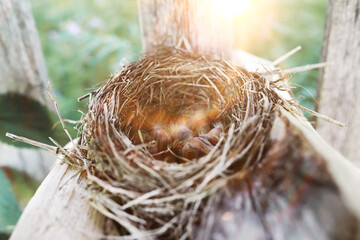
{"points": [[231, 8]]}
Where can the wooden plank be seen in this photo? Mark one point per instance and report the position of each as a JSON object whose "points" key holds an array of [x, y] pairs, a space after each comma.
{"points": [[22, 65], [60, 210], [195, 24], [339, 86]]}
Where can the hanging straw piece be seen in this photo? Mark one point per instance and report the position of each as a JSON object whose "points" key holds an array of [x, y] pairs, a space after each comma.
{"points": [[61, 119]]}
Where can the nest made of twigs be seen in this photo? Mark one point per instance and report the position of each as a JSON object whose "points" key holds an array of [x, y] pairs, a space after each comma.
{"points": [[166, 132]]}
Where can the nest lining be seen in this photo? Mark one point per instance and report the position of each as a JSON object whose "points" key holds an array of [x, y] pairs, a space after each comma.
{"points": [[158, 194]]}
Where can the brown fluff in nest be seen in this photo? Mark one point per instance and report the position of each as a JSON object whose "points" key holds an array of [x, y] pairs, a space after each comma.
{"points": [[154, 115]]}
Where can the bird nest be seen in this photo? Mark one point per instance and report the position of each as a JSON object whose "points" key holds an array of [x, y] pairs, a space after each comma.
{"points": [[167, 132]]}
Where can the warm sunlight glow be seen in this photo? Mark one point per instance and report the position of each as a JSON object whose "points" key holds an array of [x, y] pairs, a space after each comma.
{"points": [[231, 8]]}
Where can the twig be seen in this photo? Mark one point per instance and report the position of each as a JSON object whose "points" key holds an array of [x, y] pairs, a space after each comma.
{"points": [[85, 96], [286, 55], [323, 117], [61, 120], [32, 142], [306, 67]]}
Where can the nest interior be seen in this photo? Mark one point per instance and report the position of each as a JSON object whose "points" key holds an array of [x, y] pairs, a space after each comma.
{"points": [[166, 132]]}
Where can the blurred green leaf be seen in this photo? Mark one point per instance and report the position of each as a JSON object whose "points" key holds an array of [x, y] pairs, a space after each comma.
{"points": [[9, 210], [25, 117], [21, 115], [23, 186]]}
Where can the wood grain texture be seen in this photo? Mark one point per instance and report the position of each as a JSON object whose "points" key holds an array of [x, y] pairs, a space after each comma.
{"points": [[60, 210], [22, 64], [339, 85], [168, 22]]}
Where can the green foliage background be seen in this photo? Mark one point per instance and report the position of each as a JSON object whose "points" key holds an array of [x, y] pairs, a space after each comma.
{"points": [[84, 41]]}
